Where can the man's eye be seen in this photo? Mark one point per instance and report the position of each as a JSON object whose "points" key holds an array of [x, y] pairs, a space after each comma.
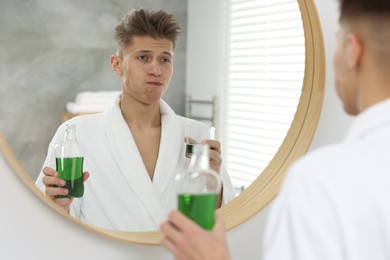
{"points": [[144, 57], [165, 60]]}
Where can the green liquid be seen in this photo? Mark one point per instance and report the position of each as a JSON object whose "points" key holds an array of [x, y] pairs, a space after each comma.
{"points": [[189, 150], [200, 208], [71, 171]]}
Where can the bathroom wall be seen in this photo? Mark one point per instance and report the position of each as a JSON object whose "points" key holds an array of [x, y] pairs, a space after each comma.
{"points": [[52, 49]]}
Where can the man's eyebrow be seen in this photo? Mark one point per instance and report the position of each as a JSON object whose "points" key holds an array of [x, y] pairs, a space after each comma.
{"points": [[149, 51], [168, 53]]}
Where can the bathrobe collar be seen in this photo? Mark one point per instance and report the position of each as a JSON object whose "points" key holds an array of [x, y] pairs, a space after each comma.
{"points": [[128, 159], [369, 120]]}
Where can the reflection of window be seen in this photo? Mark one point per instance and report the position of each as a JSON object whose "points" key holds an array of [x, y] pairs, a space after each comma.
{"points": [[265, 62]]}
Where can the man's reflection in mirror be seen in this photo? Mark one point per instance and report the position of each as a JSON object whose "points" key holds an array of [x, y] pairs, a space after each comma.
{"points": [[134, 149]]}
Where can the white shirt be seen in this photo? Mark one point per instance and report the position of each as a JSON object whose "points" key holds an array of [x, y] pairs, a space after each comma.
{"points": [[335, 202]]}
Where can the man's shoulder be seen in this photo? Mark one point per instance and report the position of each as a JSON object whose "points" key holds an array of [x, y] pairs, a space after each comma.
{"points": [[82, 120], [321, 163], [88, 125], [322, 155]]}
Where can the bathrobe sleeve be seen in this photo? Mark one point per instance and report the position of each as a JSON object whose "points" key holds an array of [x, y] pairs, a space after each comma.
{"points": [[227, 186]]}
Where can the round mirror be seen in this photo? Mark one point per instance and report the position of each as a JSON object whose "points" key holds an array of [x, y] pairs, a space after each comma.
{"points": [[253, 199]]}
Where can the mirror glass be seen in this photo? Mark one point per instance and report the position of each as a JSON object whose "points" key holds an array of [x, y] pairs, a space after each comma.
{"points": [[52, 50]]}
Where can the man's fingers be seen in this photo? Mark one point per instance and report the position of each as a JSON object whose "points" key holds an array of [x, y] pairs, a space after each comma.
{"points": [[49, 172], [215, 151], [167, 244], [49, 181], [190, 140], [51, 178], [53, 191], [175, 240], [182, 223], [219, 225], [63, 202], [214, 145], [170, 231], [215, 157], [85, 176]]}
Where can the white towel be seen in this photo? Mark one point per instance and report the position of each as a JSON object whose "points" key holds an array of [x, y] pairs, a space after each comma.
{"points": [[91, 102], [96, 96]]}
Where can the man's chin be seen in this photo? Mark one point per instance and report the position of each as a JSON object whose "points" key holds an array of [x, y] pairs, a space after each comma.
{"points": [[152, 100], [351, 110]]}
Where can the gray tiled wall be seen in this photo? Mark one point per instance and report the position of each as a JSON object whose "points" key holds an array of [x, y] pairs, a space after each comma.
{"points": [[52, 49]]}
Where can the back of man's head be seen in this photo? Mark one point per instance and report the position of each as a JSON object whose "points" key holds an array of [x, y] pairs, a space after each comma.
{"points": [[352, 9], [370, 19]]}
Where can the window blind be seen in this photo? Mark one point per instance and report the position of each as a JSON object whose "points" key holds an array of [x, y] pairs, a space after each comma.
{"points": [[265, 70]]}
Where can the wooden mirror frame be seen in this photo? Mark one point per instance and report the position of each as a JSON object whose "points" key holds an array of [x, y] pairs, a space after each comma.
{"points": [[266, 186]]}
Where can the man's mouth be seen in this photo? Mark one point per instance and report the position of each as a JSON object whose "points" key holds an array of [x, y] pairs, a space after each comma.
{"points": [[155, 83]]}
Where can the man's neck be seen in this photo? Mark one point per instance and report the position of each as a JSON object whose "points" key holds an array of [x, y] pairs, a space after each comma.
{"points": [[141, 115], [374, 88]]}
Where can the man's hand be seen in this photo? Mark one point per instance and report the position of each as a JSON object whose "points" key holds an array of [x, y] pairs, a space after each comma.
{"points": [[53, 187], [188, 241], [215, 154], [215, 163]]}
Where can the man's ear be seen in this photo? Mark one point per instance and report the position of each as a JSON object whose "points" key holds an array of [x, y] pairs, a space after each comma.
{"points": [[354, 51], [115, 62]]}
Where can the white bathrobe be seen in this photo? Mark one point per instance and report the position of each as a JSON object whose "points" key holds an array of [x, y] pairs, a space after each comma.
{"points": [[119, 194], [334, 203]]}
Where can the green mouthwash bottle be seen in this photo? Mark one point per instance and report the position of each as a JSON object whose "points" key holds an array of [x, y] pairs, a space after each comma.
{"points": [[198, 188], [69, 163]]}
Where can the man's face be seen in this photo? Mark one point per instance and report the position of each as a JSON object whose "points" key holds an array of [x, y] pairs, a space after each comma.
{"points": [[146, 69], [345, 77]]}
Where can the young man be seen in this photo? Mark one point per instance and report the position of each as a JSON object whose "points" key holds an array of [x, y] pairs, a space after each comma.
{"points": [[334, 203], [136, 147]]}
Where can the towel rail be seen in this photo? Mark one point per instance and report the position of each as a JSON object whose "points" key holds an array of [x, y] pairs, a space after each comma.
{"points": [[193, 107]]}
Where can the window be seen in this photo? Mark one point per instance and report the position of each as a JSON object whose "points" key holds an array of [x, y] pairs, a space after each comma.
{"points": [[265, 63]]}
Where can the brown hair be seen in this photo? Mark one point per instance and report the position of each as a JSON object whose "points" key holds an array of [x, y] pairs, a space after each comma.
{"points": [[370, 18], [141, 22], [373, 9]]}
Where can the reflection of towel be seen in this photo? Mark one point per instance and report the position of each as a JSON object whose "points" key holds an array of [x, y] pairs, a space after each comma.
{"points": [[91, 102], [96, 97], [74, 108], [119, 194]]}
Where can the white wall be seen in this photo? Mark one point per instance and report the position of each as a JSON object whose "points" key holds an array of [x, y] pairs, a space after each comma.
{"points": [[204, 56], [31, 230], [204, 48]]}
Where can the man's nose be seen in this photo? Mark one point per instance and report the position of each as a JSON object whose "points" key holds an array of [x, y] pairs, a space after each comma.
{"points": [[155, 68]]}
